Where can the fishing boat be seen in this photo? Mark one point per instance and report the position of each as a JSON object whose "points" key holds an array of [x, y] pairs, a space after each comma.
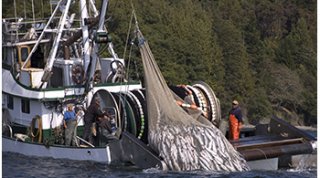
{"points": [[49, 64]]}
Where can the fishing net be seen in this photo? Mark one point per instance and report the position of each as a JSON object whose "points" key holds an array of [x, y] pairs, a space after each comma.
{"points": [[182, 142]]}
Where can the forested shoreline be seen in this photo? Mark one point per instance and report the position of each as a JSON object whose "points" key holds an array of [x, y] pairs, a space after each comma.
{"points": [[260, 52]]}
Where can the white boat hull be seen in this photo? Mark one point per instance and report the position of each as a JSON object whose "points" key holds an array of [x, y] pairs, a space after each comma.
{"points": [[58, 152]]}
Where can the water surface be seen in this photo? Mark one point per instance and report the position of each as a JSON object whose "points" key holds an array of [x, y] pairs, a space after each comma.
{"points": [[17, 165]]}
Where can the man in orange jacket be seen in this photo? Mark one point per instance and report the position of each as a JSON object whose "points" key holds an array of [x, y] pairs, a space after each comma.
{"points": [[235, 121]]}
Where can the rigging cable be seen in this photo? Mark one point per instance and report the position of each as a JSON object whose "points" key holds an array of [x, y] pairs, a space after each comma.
{"points": [[42, 9], [33, 16], [133, 15], [15, 17], [125, 93], [24, 7], [128, 34]]}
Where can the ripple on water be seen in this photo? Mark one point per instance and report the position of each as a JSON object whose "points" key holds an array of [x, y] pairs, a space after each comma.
{"points": [[17, 165]]}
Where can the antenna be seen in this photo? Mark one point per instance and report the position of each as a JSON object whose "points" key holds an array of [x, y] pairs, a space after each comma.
{"points": [[15, 16]]}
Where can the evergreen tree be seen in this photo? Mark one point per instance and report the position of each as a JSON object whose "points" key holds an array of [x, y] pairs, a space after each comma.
{"points": [[262, 53], [238, 79], [296, 52], [23, 8]]}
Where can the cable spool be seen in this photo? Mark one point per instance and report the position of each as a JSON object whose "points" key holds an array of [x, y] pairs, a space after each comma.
{"points": [[206, 104], [203, 102], [122, 113], [107, 101], [213, 101], [139, 114], [38, 135], [197, 96], [77, 74], [139, 94], [130, 120], [135, 113]]}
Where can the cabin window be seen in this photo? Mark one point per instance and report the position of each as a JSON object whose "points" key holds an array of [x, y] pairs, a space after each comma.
{"points": [[24, 53], [25, 105], [9, 102]]}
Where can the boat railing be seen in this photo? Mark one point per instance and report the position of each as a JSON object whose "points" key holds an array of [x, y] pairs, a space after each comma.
{"points": [[16, 29], [10, 129]]}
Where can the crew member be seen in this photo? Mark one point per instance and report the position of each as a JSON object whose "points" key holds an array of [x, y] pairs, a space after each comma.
{"points": [[91, 115], [69, 123], [235, 121], [107, 122]]}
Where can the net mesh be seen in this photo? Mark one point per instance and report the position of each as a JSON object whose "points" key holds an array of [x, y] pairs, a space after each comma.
{"points": [[182, 142]]}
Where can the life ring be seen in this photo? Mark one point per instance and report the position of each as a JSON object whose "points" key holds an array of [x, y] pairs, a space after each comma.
{"points": [[77, 74], [39, 130]]}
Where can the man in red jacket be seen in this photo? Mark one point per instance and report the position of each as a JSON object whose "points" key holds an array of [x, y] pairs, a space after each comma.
{"points": [[235, 121]]}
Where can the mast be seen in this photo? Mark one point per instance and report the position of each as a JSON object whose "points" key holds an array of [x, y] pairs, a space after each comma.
{"points": [[47, 71], [95, 51], [85, 35]]}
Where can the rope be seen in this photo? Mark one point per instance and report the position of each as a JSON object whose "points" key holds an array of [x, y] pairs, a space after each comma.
{"points": [[128, 67], [265, 156], [128, 34], [133, 15], [127, 74]]}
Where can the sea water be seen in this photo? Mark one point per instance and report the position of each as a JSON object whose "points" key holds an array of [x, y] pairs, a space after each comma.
{"points": [[17, 165]]}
